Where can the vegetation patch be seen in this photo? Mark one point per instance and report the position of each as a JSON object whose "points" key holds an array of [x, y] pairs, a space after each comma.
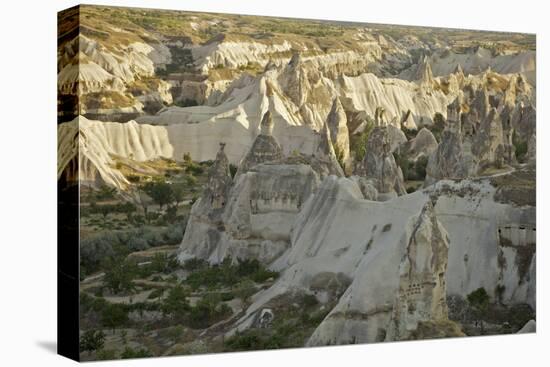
{"points": [[227, 273], [295, 318]]}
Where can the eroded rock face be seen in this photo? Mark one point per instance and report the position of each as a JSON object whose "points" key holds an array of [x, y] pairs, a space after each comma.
{"points": [[449, 159], [379, 164], [524, 121], [422, 272], [367, 187], [425, 76], [338, 126], [532, 148], [479, 107], [396, 136], [338, 231], [264, 149], [324, 158], [252, 218], [489, 146], [205, 223], [219, 182], [423, 144], [261, 210]]}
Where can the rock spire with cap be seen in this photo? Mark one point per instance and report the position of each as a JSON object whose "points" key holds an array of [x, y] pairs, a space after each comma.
{"points": [[219, 181], [265, 147], [266, 126]]}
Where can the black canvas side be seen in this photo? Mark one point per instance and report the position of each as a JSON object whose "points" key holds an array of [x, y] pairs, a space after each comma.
{"points": [[68, 262], [67, 273]]}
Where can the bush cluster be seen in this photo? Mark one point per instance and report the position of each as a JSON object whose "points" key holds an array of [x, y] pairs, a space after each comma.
{"points": [[94, 250], [226, 273], [412, 170]]}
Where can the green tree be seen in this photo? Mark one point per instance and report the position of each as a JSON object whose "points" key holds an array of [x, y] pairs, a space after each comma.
{"points": [[161, 192], [104, 210], [245, 289], [208, 311], [176, 304], [119, 274], [402, 161], [113, 316], [479, 302], [91, 340], [520, 147], [178, 190], [171, 214], [127, 208]]}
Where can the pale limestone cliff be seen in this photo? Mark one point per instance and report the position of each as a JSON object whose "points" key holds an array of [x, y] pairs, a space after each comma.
{"points": [[422, 273]]}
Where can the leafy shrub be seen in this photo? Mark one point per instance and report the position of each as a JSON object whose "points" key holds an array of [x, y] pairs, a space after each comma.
{"points": [[119, 274], [135, 353], [114, 315], [310, 300], [250, 340], [207, 312], [163, 263], [138, 244], [92, 340], [520, 147], [412, 171], [194, 169], [479, 299], [160, 191], [245, 289], [227, 274], [194, 264], [176, 304], [94, 250]]}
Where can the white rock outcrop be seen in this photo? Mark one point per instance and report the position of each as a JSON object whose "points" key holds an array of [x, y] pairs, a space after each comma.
{"points": [[264, 149], [422, 145], [89, 147], [256, 219], [338, 126], [422, 291], [449, 160], [339, 232], [379, 164]]}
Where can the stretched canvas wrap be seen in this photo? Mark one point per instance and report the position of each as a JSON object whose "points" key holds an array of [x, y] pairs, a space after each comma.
{"points": [[231, 183]]}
